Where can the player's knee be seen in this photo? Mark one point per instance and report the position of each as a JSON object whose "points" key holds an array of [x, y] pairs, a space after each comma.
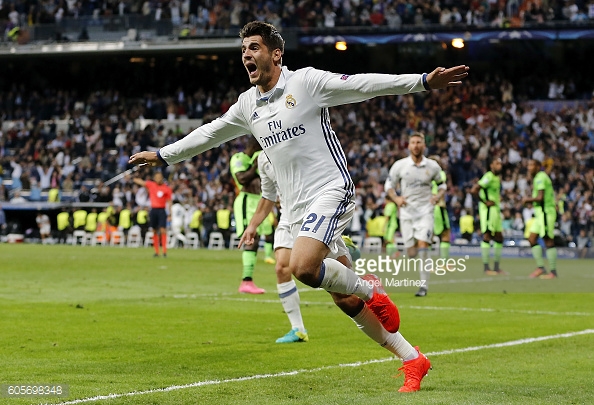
{"points": [[306, 272], [283, 272]]}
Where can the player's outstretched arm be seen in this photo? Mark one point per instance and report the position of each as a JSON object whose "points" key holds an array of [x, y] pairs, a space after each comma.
{"points": [[264, 208], [330, 89], [225, 128]]}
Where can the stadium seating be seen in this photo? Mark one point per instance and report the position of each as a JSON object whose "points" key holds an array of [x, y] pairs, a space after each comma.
{"points": [[372, 244], [98, 238], [79, 236], [148, 239], [134, 237], [192, 240], [233, 241], [216, 241], [117, 239]]}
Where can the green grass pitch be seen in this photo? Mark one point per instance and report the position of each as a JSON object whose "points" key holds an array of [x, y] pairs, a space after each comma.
{"points": [[118, 321]]}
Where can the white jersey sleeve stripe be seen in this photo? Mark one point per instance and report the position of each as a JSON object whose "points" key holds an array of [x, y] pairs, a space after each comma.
{"points": [[336, 150], [340, 161]]}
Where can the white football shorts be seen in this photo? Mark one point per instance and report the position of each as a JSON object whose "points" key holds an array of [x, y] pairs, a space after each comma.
{"points": [[326, 220], [282, 235], [416, 229]]}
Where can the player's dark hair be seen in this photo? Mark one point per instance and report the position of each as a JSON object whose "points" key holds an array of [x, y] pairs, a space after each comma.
{"points": [[491, 160], [270, 35]]}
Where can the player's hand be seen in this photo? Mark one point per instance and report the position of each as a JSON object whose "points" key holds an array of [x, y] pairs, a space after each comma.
{"points": [[489, 203], [441, 77], [434, 200], [525, 200], [248, 236], [400, 201], [148, 158]]}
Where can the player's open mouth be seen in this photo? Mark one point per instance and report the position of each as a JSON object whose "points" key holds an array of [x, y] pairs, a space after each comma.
{"points": [[252, 69]]}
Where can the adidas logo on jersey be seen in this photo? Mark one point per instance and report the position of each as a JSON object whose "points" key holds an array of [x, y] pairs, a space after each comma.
{"points": [[255, 116]]}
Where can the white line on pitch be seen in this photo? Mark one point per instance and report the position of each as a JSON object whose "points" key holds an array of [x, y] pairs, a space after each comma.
{"points": [[514, 311], [313, 370], [431, 308]]}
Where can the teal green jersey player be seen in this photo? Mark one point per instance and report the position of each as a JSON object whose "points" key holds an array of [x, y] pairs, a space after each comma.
{"points": [[488, 190], [244, 169], [545, 215]]}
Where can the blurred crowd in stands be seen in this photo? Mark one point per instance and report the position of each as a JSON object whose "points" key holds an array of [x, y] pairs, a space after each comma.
{"points": [[465, 126], [205, 16]]}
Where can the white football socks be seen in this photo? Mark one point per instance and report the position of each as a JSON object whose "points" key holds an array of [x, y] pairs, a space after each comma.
{"points": [[289, 297], [424, 275], [340, 279], [394, 342]]}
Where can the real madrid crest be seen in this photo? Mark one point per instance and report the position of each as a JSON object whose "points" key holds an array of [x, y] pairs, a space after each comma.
{"points": [[290, 102]]}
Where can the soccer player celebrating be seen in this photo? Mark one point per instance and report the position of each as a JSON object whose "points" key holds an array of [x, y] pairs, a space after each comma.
{"points": [[441, 226], [545, 215], [160, 197], [287, 111], [244, 169], [416, 203], [362, 316], [488, 190]]}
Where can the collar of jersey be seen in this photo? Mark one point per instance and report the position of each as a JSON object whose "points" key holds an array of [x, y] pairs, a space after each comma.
{"points": [[278, 89], [423, 161]]}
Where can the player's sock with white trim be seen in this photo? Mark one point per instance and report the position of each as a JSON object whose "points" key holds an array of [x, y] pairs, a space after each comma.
{"points": [[368, 323], [497, 250], [485, 253], [444, 250], [424, 256], [289, 298], [336, 277], [248, 257], [537, 254]]}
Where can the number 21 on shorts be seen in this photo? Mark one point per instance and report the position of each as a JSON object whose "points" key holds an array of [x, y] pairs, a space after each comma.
{"points": [[310, 220]]}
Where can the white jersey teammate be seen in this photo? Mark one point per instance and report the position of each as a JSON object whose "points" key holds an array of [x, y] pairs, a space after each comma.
{"points": [[178, 218], [416, 202], [288, 114]]}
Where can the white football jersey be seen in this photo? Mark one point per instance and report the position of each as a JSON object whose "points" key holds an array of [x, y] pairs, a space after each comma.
{"points": [[178, 215], [270, 189], [415, 185], [293, 127]]}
